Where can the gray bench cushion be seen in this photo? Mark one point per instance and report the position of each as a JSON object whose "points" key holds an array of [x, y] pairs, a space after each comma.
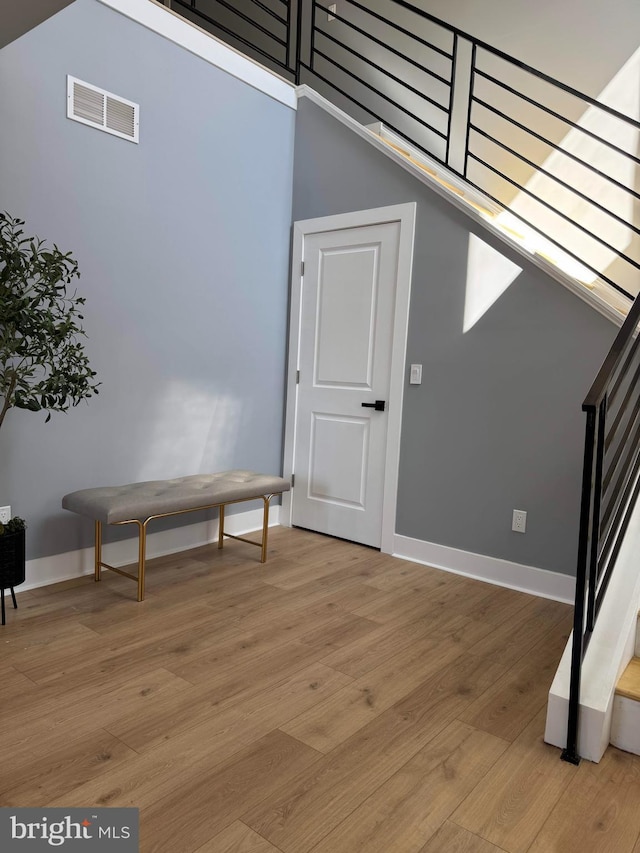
{"points": [[111, 504]]}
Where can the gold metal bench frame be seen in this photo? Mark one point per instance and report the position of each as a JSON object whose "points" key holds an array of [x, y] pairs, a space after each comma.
{"points": [[142, 537]]}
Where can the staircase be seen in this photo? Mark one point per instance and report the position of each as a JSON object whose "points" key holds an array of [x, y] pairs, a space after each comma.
{"points": [[513, 230], [625, 722], [546, 164]]}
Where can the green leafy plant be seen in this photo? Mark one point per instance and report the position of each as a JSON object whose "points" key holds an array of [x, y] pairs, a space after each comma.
{"points": [[15, 525], [43, 365]]}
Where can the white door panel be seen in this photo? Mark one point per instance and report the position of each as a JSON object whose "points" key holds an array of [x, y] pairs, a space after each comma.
{"points": [[346, 339], [347, 283], [338, 478]]}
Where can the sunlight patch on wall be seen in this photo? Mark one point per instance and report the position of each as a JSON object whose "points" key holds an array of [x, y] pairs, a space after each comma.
{"points": [[489, 274], [193, 432]]}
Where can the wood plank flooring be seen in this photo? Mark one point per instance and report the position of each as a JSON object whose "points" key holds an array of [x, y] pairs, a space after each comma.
{"points": [[334, 700]]}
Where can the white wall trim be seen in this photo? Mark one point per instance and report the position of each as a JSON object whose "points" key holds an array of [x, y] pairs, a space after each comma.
{"points": [[162, 21], [405, 215], [75, 564], [590, 296], [529, 579]]}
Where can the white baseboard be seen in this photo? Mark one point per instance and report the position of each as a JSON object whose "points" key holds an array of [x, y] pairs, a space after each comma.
{"points": [[75, 564], [529, 579]]}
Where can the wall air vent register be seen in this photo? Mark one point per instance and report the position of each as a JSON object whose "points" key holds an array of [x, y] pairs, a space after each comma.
{"points": [[101, 109]]}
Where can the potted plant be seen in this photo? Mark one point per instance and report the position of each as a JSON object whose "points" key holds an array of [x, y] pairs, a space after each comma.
{"points": [[12, 557], [43, 365]]}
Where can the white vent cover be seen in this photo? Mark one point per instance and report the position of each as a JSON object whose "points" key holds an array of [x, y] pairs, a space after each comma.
{"points": [[101, 109]]}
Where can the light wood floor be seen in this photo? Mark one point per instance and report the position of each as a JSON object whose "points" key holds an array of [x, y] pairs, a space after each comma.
{"points": [[333, 701]]}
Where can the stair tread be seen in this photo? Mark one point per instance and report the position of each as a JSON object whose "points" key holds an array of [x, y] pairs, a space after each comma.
{"points": [[629, 683]]}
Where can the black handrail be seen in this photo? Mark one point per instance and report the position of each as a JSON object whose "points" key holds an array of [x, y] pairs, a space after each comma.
{"points": [[297, 42], [613, 359]]}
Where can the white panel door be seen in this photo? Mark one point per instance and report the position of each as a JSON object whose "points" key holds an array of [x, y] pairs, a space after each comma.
{"points": [[346, 340]]}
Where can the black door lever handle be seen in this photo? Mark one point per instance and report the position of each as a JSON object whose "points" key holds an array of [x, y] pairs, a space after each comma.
{"points": [[378, 405]]}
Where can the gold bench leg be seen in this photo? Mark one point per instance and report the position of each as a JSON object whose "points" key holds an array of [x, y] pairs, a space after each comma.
{"points": [[265, 528], [98, 551], [142, 547], [221, 526], [142, 540]]}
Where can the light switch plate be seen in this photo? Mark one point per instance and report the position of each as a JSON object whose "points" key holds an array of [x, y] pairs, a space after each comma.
{"points": [[415, 377]]}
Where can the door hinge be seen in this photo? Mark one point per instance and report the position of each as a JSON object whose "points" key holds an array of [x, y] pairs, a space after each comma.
{"points": [[297, 377], [293, 480], [301, 267]]}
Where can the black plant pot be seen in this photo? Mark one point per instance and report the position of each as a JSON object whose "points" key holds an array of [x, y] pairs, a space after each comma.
{"points": [[12, 564]]}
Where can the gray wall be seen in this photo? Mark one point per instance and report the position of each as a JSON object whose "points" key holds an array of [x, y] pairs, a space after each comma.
{"points": [[496, 424], [183, 245]]}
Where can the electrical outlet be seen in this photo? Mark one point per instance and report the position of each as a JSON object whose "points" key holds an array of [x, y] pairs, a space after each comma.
{"points": [[332, 8], [519, 523], [5, 514]]}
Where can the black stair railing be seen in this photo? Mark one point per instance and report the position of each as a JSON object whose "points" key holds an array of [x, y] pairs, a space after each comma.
{"points": [[394, 72], [576, 190], [610, 488], [509, 130], [264, 30], [562, 161]]}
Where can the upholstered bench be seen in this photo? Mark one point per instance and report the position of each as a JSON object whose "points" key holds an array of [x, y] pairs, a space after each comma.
{"points": [[140, 503]]}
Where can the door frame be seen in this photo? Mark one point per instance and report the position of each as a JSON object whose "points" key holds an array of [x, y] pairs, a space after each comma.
{"points": [[405, 215]]}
